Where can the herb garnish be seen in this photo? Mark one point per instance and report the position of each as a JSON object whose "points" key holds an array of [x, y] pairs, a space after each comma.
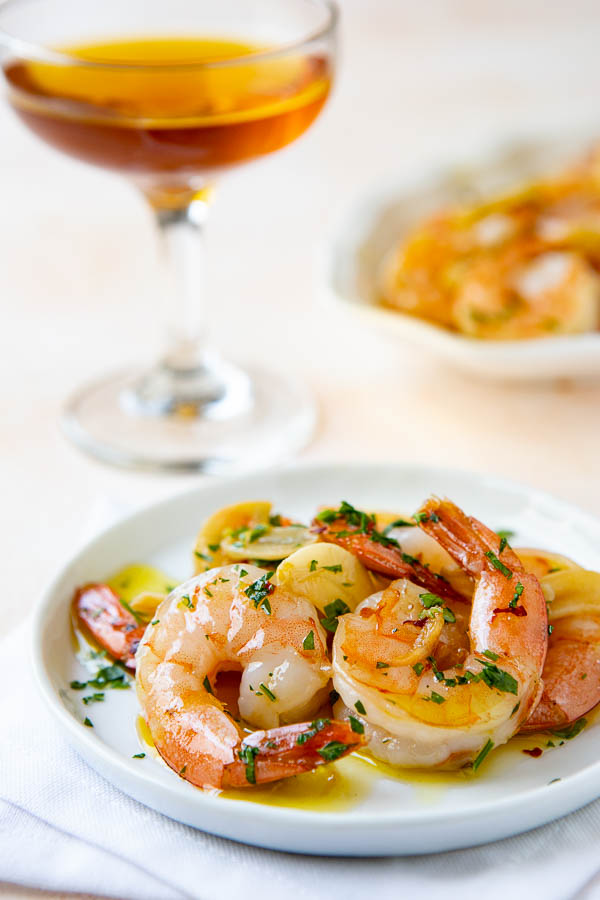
{"points": [[360, 708], [356, 725], [482, 754], [418, 668], [336, 568], [138, 756], [498, 564], [207, 685], [94, 698], [309, 641], [315, 727], [248, 756], [313, 565], [88, 722], [333, 750], [267, 692], [259, 590], [110, 676], [332, 611], [571, 731], [518, 591]]}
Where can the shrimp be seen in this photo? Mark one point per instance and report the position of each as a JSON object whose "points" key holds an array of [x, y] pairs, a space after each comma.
{"points": [[380, 552], [415, 710], [99, 611], [572, 671], [234, 618]]}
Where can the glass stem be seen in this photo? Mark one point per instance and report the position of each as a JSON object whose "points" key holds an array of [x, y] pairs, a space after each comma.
{"points": [[181, 231], [190, 380]]}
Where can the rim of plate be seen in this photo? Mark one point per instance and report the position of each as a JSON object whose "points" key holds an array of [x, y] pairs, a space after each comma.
{"points": [[346, 820]]}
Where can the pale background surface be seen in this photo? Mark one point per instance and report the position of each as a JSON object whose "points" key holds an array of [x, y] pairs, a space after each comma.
{"points": [[419, 83]]}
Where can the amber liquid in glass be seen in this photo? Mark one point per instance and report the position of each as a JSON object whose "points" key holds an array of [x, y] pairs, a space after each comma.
{"points": [[165, 113]]}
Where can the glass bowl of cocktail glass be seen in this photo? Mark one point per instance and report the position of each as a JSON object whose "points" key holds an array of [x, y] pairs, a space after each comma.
{"points": [[171, 95]]}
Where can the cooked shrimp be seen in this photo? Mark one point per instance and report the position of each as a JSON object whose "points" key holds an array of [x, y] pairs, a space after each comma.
{"points": [[520, 265], [418, 711], [98, 609], [233, 617], [382, 553], [572, 671]]}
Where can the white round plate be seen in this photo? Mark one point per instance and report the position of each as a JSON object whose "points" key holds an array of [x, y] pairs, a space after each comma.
{"points": [[380, 221], [511, 793]]}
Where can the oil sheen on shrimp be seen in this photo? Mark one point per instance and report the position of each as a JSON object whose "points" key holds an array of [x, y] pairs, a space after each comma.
{"points": [[417, 709], [234, 618]]}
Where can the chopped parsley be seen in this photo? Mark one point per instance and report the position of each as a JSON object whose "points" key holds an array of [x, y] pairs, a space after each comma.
{"points": [[506, 533], [203, 556], [398, 523], [503, 543], [498, 564], [360, 708], [418, 668], [268, 693], [88, 722], [448, 615], [207, 685], [275, 521], [356, 725], [94, 698], [482, 754], [248, 756], [333, 750], [256, 532], [490, 655], [313, 565], [110, 676], [155, 621], [315, 727], [332, 611], [428, 600], [259, 590], [571, 731], [518, 591], [213, 547], [336, 568], [382, 665], [498, 678], [309, 641], [138, 756], [185, 601], [437, 698]]}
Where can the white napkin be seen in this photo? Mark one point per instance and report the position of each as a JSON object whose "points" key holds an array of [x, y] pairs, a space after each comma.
{"points": [[64, 828]]}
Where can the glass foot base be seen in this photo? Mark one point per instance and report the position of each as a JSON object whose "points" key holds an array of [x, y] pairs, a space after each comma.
{"points": [[254, 418]]}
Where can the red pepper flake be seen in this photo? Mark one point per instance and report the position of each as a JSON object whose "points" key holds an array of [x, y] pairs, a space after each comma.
{"points": [[535, 752], [511, 610]]}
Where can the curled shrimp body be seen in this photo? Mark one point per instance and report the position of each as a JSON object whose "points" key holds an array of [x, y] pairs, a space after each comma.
{"points": [[419, 710], [233, 617]]}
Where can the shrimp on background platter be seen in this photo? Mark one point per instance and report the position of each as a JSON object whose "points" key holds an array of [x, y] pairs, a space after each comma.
{"points": [[418, 709], [234, 618]]}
